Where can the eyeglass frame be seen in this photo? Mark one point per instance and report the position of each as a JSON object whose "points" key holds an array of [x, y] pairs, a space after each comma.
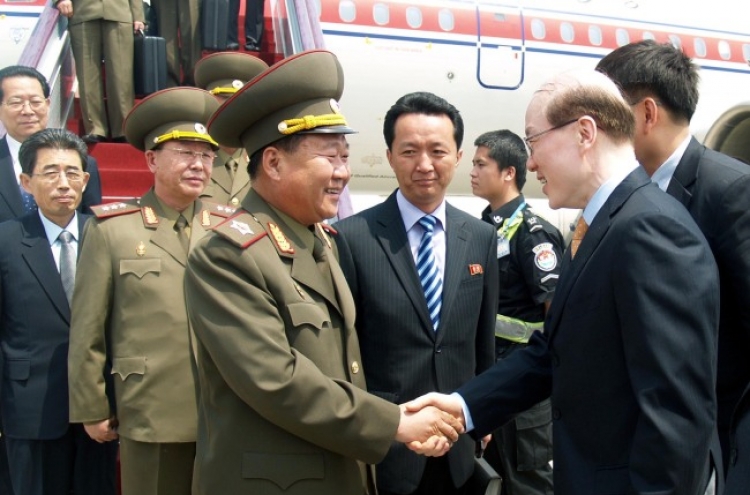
{"points": [[33, 104], [528, 139], [203, 156], [54, 176]]}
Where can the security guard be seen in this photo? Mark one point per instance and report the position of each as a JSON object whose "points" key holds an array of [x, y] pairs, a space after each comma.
{"points": [[223, 74], [128, 307], [529, 251]]}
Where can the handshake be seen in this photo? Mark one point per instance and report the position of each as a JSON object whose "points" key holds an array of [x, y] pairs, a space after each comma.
{"points": [[430, 424]]}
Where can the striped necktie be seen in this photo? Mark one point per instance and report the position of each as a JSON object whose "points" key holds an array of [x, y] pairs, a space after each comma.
{"points": [[429, 275]]}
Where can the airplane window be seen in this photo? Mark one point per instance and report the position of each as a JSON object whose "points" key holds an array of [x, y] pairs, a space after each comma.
{"points": [[699, 44], [414, 17], [567, 32], [595, 35], [381, 14], [347, 10], [725, 51], [538, 30], [446, 20], [648, 35], [746, 52], [676, 41], [623, 37]]}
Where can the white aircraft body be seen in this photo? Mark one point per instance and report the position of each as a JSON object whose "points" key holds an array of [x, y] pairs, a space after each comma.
{"points": [[488, 57]]}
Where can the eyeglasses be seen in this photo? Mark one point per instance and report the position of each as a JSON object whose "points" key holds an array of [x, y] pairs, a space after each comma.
{"points": [[204, 156], [528, 140], [53, 176], [17, 104]]}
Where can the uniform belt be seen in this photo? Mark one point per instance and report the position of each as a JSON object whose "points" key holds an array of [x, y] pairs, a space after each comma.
{"points": [[516, 330]]}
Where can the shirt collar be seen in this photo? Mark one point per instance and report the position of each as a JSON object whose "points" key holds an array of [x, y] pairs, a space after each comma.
{"points": [[410, 214], [498, 216], [605, 190], [53, 230], [664, 173]]}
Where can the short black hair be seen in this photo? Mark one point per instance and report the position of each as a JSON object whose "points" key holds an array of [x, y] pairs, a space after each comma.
{"points": [[425, 103], [57, 139], [658, 70], [508, 150], [23, 71]]}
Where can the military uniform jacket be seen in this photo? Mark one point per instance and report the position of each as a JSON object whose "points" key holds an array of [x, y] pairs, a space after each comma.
{"points": [[224, 187], [129, 307], [282, 406], [108, 10]]}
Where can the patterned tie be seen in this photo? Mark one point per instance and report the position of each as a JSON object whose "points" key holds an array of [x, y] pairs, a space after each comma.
{"points": [[67, 263], [578, 233], [181, 227], [429, 276], [29, 204]]}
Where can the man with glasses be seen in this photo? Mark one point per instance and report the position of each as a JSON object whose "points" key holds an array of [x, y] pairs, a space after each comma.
{"points": [[628, 349], [129, 307], [47, 454], [24, 110]]}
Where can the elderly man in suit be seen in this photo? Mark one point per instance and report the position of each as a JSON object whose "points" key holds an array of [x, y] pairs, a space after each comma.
{"points": [[47, 454], [129, 306], [24, 110], [282, 405], [628, 352], [103, 29], [418, 338], [660, 83]]}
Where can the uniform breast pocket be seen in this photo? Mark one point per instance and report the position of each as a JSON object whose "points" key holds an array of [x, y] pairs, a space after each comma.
{"points": [[141, 267], [307, 314]]}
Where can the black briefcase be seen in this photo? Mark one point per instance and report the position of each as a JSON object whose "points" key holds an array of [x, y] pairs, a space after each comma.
{"points": [[215, 24], [149, 64], [485, 480]]}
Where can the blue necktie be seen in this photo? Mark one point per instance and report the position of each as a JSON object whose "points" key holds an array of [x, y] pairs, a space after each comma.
{"points": [[29, 204], [429, 275]]}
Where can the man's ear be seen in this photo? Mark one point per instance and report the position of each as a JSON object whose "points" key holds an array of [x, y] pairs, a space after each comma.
{"points": [[271, 162], [25, 182]]}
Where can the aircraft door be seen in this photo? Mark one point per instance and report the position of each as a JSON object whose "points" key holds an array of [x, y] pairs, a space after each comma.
{"points": [[500, 57]]}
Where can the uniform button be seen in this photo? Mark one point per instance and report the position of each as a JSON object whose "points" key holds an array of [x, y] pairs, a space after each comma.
{"points": [[235, 201], [438, 350], [556, 413], [355, 367]]}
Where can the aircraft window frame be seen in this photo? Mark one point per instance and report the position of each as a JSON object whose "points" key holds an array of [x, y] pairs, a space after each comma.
{"points": [[567, 32], [746, 52], [347, 10], [538, 29], [446, 20], [648, 35], [414, 17], [596, 37], [725, 49], [622, 36], [676, 41], [700, 47], [381, 13]]}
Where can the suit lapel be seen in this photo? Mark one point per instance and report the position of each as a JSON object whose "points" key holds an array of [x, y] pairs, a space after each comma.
{"points": [[456, 237], [9, 191], [37, 254], [683, 180], [570, 270], [392, 236]]}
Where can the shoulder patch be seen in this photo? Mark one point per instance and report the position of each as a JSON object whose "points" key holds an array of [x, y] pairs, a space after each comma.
{"points": [[544, 256], [114, 209], [150, 218], [216, 209], [532, 220], [282, 243], [241, 230]]}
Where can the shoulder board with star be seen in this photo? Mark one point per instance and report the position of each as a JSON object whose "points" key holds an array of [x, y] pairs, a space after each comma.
{"points": [[532, 220], [209, 209], [242, 230], [109, 210]]}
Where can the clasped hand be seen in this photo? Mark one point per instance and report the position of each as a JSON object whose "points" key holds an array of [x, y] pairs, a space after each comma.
{"points": [[430, 424]]}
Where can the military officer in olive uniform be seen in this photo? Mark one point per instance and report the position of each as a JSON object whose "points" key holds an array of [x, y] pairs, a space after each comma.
{"points": [[223, 74], [528, 252], [128, 307], [282, 406]]}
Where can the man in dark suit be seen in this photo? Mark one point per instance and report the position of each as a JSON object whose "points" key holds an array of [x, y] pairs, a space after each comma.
{"points": [[24, 110], [660, 82], [406, 351], [47, 454], [628, 352]]}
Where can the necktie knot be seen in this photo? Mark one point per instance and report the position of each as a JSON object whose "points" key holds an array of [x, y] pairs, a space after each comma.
{"points": [[65, 237], [428, 223]]}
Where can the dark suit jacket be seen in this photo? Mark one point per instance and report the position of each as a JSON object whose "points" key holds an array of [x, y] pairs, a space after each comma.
{"points": [[403, 357], [11, 205], [628, 354], [715, 189], [34, 323], [738, 461]]}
